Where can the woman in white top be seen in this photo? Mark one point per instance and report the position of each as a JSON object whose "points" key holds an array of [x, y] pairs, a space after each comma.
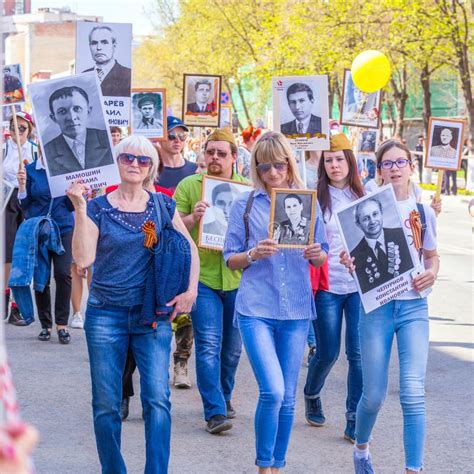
{"points": [[338, 185], [13, 213]]}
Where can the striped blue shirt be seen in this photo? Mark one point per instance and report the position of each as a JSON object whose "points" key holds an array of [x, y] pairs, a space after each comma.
{"points": [[277, 287]]}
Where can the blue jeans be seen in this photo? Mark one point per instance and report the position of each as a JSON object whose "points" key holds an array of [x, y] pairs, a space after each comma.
{"points": [[109, 331], [217, 346], [275, 349], [330, 308], [409, 321], [311, 340]]}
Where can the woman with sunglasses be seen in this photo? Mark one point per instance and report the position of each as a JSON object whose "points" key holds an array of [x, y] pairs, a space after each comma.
{"points": [[110, 233], [338, 185], [405, 317], [274, 304], [13, 212]]}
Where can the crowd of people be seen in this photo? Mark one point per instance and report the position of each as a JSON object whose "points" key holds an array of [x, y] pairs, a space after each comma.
{"points": [[137, 244]]}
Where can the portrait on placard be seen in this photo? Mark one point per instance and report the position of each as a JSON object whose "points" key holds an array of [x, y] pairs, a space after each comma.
{"points": [[444, 144], [7, 190], [106, 49], [13, 90], [220, 194], [358, 108], [372, 232], [292, 217], [201, 100], [149, 113], [301, 110], [226, 116], [73, 132], [367, 141]]}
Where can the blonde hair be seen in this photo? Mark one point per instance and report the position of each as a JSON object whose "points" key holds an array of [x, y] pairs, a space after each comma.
{"points": [[138, 145], [273, 147]]}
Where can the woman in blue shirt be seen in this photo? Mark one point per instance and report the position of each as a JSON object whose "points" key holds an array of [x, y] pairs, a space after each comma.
{"points": [[274, 304], [35, 200]]}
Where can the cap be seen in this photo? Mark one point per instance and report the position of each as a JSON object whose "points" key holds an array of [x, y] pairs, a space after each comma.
{"points": [[146, 99], [173, 122], [221, 135], [340, 142], [25, 116]]}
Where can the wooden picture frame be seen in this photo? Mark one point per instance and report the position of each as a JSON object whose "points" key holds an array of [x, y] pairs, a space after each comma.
{"points": [[135, 114], [280, 220], [212, 232], [444, 156]]}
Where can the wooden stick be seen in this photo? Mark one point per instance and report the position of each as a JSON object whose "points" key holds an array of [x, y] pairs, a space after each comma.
{"points": [[17, 136], [439, 184]]}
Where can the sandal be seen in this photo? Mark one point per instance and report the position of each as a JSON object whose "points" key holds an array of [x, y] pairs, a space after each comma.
{"points": [[63, 336], [44, 335]]}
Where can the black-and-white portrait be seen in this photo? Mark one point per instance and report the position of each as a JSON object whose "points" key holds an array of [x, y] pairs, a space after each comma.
{"points": [[300, 110], [220, 194], [358, 108], [149, 113], [445, 138], [7, 190], [373, 233], [13, 90], [201, 100], [73, 132], [292, 217], [367, 141], [226, 116]]}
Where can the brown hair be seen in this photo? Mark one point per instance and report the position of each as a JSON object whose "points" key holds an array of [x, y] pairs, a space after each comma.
{"points": [[353, 180], [388, 145]]}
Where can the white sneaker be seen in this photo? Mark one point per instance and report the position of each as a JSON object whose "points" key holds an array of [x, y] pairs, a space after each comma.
{"points": [[77, 321]]}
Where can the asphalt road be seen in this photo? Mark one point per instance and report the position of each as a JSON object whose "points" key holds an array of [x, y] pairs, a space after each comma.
{"points": [[54, 391]]}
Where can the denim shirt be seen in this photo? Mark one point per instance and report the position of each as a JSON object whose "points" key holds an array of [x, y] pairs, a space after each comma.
{"points": [[277, 287], [122, 261]]}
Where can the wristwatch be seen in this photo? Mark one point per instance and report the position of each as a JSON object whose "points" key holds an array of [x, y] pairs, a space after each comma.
{"points": [[249, 257]]}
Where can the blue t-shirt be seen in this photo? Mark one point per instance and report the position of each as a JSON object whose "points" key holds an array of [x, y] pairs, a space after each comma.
{"points": [[122, 261]]}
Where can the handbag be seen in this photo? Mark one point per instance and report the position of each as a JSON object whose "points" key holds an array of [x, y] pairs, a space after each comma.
{"points": [[169, 272]]}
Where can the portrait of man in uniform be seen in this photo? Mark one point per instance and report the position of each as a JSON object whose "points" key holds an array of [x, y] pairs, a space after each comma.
{"points": [[447, 144]]}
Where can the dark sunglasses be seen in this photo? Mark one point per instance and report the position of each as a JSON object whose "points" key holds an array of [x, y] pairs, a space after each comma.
{"points": [[388, 164], [21, 129], [128, 159], [266, 167], [180, 136], [212, 152]]}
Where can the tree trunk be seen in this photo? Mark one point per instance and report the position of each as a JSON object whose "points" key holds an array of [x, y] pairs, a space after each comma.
{"points": [[330, 96], [425, 84], [244, 104], [400, 97], [234, 110]]}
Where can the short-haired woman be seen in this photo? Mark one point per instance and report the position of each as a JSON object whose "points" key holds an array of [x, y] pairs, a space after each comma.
{"points": [[108, 233], [274, 303]]}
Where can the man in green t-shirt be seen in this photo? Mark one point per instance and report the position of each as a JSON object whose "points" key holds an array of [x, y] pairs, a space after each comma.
{"points": [[217, 341]]}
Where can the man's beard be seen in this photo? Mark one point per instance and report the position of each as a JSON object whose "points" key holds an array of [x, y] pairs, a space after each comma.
{"points": [[214, 169]]}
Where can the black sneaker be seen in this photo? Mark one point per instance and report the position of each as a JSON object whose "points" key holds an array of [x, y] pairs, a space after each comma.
{"points": [[7, 306], [314, 411], [230, 410], [44, 335], [63, 336], [16, 318], [124, 406], [217, 424]]}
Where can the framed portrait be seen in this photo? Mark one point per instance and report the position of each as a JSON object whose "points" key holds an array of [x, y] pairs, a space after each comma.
{"points": [[225, 120], [74, 135], [367, 141], [444, 143], [13, 90], [201, 100], [7, 190], [220, 193], [149, 113], [292, 217], [359, 109], [301, 111], [106, 50], [373, 234]]}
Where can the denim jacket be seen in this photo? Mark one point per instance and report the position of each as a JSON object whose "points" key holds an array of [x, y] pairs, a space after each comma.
{"points": [[35, 237]]}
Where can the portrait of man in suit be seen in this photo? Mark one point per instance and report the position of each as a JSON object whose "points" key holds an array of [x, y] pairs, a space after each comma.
{"points": [[300, 99], [223, 196], [382, 254], [203, 98], [115, 79], [77, 147], [447, 146]]}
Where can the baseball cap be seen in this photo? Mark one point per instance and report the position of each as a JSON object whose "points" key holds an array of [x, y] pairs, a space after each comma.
{"points": [[173, 122], [25, 116]]}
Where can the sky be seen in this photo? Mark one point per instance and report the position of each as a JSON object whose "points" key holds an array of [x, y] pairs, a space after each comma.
{"points": [[112, 11]]}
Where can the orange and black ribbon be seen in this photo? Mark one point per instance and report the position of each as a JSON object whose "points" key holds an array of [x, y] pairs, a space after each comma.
{"points": [[149, 230], [415, 225]]}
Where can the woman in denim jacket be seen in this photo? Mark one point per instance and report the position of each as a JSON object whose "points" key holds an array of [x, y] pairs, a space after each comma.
{"points": [[109, 234], [274, 304]]}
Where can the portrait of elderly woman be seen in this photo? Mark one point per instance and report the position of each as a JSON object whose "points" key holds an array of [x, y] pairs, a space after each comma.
{"points": [[293, 217]]}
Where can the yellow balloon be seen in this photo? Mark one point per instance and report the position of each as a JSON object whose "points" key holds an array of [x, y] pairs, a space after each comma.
{"points": [[370, 71]]}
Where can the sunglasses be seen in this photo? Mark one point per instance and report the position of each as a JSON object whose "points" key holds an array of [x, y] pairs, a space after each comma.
{"points": [[21, 129], [128, 159], [388, 164], [266, 167], [180, 136], [212, 152]]}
